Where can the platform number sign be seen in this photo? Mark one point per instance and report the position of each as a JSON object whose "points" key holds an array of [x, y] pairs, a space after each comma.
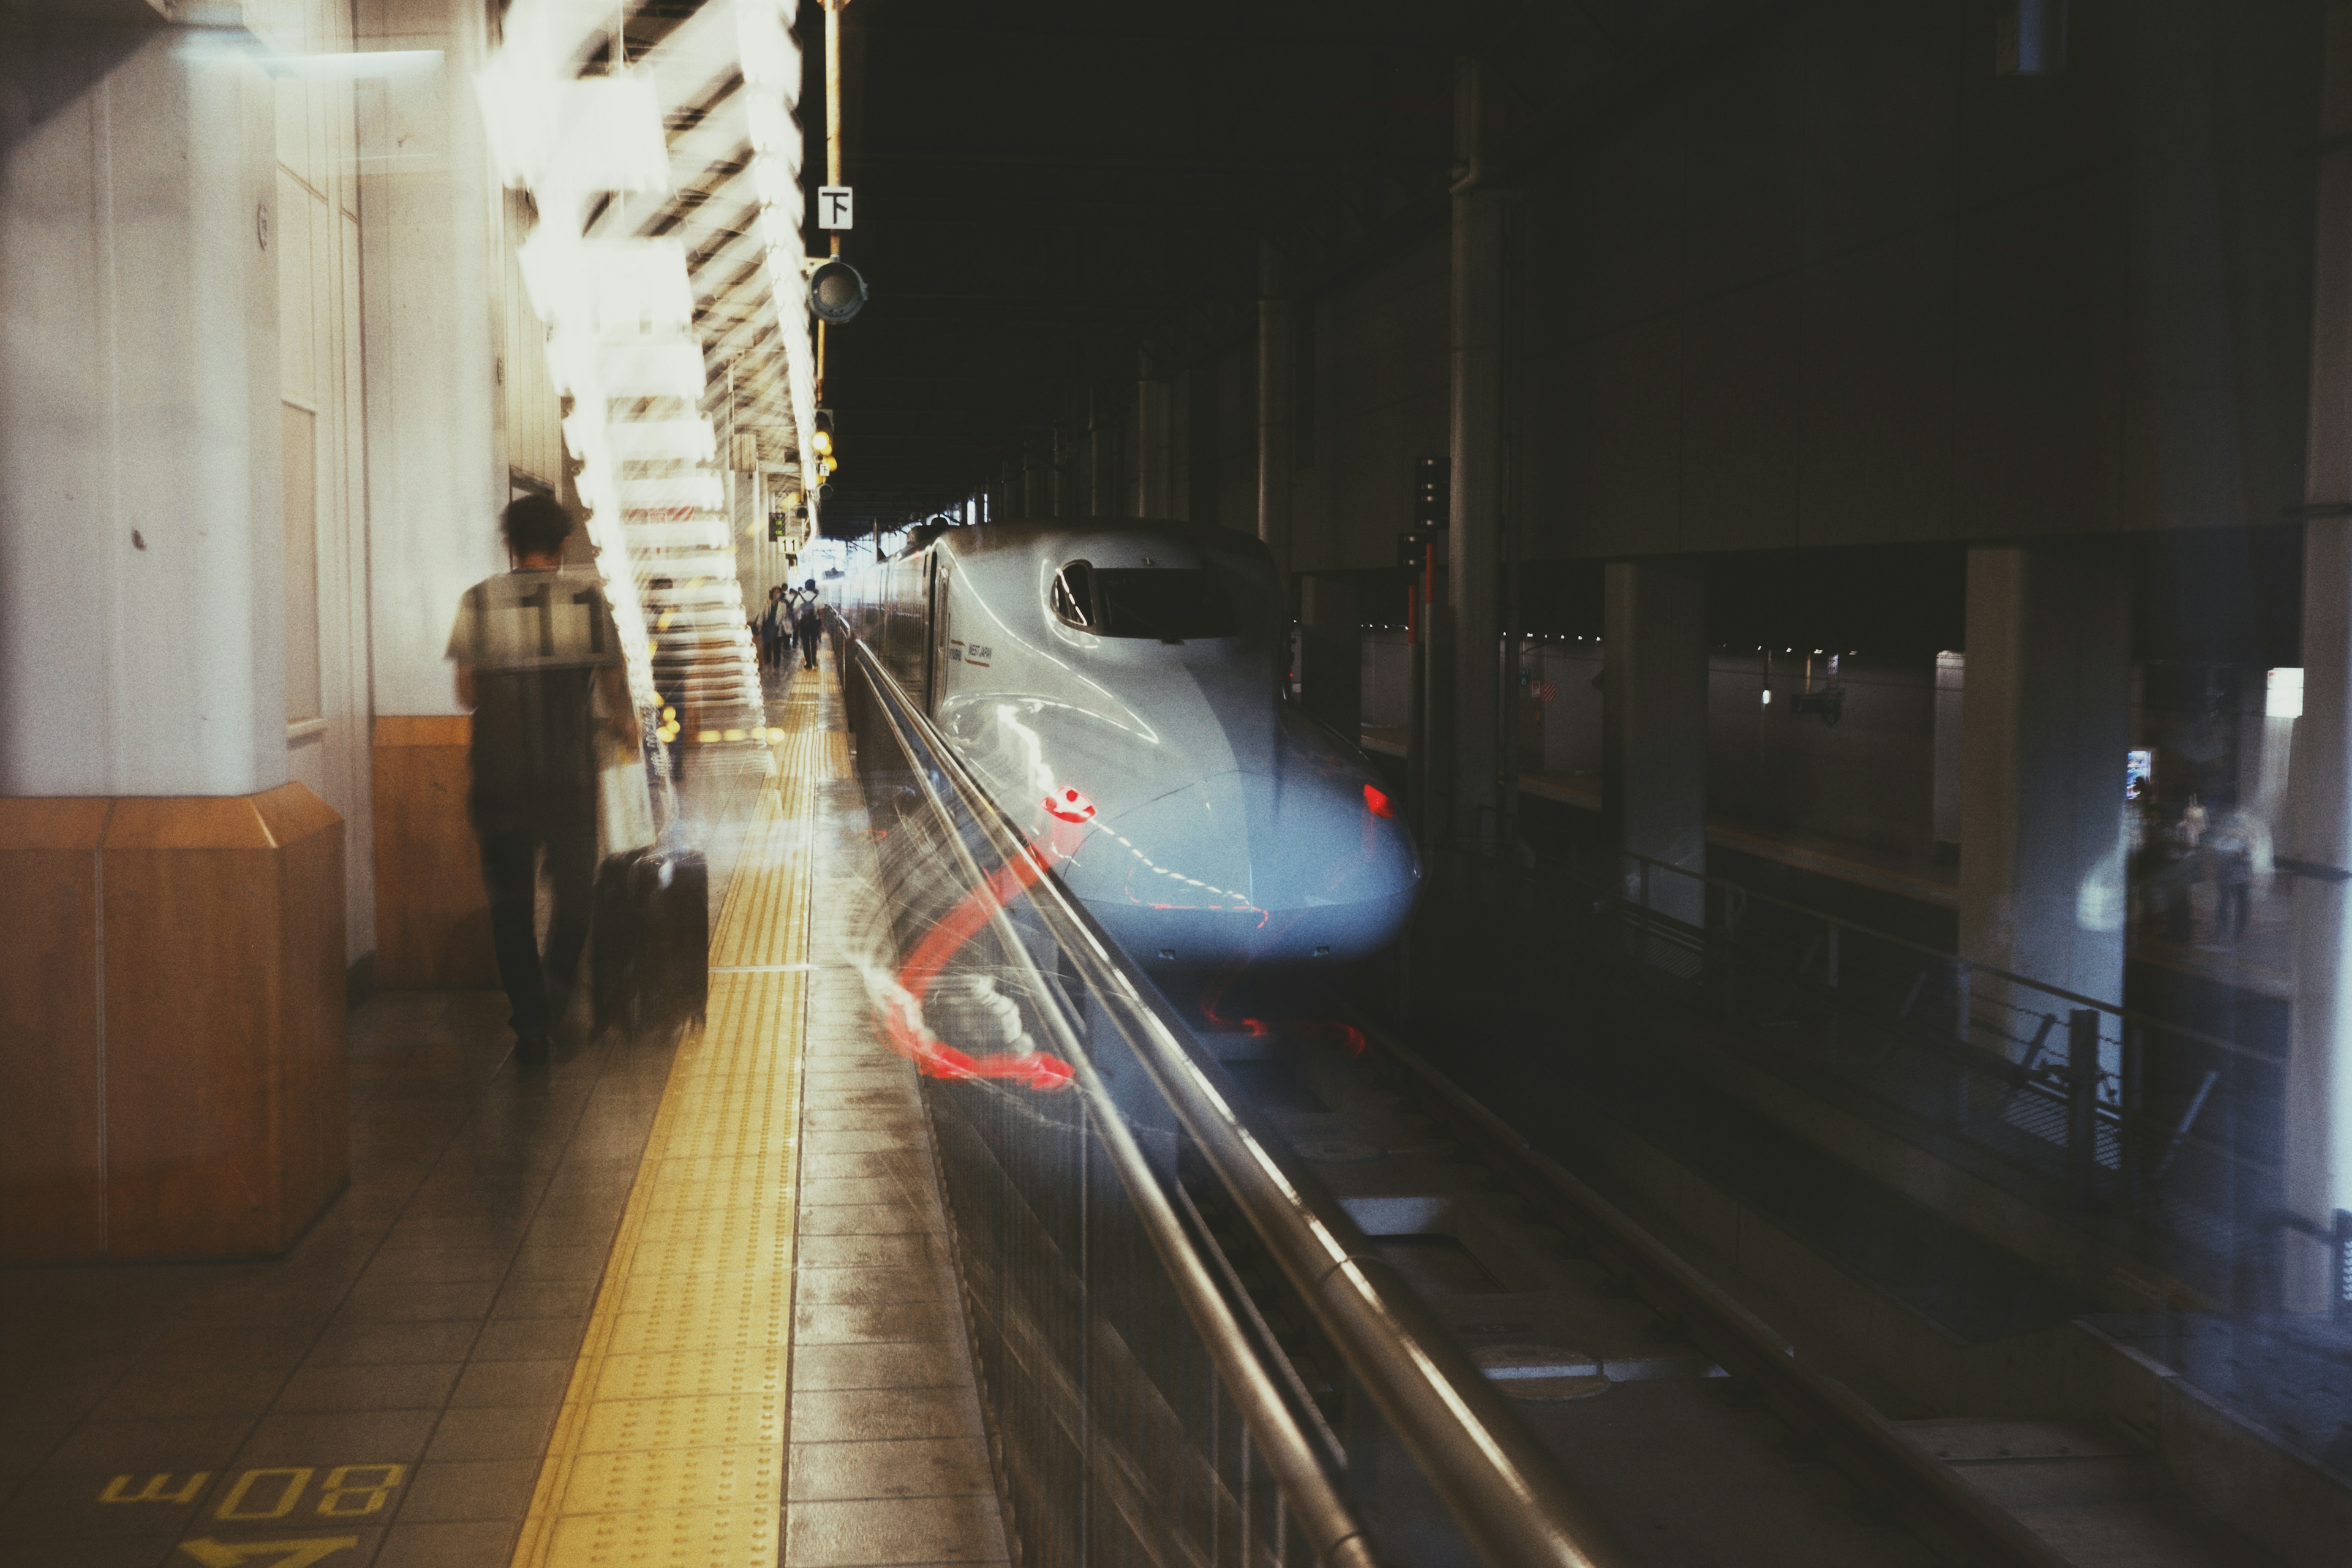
{"points": [[834, 207]]}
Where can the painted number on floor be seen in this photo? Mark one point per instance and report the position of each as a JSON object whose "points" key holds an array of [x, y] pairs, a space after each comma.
{"points": [[266, 1553], [347, 1492]]}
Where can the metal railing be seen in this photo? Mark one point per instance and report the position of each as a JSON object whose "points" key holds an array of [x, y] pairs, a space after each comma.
{"points": [[1141, 1409], [2120, 1110]]}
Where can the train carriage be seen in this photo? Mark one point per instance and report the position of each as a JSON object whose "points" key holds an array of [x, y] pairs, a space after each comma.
{"points": [[1139, 665]]}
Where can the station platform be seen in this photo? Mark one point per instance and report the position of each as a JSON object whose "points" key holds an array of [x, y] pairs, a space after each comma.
{"points": [[655, 1301]]}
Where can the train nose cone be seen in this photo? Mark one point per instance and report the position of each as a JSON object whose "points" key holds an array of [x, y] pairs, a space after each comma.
{"points": [[1250, 866]]}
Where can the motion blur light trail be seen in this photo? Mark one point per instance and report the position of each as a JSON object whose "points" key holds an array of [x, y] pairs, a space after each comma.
{"points": [[902, 1007]]}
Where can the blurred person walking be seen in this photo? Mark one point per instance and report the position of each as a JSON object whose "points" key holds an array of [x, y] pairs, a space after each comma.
{"points": [[775, 629], [807, 618], [537, 657], [2232, 846]]}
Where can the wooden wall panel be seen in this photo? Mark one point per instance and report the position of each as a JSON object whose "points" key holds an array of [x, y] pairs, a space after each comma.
{"points": [[52, 1089], [432, 918], [227, 1110], [313, 1066]]}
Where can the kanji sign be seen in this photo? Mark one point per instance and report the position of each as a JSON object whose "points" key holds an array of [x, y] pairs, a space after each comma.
{"points": [[834, 206]]}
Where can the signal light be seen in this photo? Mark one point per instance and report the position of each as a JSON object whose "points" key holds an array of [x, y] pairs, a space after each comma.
{"points": [[836, 293], [822, 443], [1378, 804], [1433, 492]]}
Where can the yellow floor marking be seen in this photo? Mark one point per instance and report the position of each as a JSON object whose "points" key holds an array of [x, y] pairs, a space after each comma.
{"points": [[670, 1447]]}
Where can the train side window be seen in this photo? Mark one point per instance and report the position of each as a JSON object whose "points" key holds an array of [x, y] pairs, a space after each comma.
{"points": [[1073, 596]]}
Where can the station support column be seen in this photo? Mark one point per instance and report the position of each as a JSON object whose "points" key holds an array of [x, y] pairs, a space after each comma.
{"points": [[1099, 498], [2318, 1090], [1155, 448], [1470, 637], [1653, 664], [1273, 400], [172, 1063], [1065, 484], [1036, 479], [2043, 732]]}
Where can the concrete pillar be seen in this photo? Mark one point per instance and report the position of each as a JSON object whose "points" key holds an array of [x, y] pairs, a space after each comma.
{"points": [[1036, 482], [2043, 732], [431, 241], [1653, 690], [1155, 447], [142, 554], [1274, 372], [1945, 782], [1332, 668], [1181, 398], [172, 1071], [1100, 481], [2318, 830], [1470, 637], [1066, 488]]}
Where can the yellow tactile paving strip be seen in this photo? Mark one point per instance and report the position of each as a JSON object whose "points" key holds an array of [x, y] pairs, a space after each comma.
{"points": [[670, 1447]]}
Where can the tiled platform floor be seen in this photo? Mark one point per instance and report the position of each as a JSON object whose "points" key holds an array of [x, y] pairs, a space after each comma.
{"points": [[384, 1394]]}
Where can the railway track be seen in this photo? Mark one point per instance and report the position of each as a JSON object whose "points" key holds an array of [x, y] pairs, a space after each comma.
{"points": [[1690, 1427]]}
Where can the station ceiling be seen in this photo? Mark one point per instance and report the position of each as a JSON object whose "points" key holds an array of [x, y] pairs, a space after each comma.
{"points": [[1043, 191]]}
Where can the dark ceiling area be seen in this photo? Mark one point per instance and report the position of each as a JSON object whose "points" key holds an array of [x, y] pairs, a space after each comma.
{"points": [[1047, 193]]}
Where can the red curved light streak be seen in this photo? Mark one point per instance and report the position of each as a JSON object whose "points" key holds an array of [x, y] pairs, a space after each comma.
{"points": [[902, 1021]]}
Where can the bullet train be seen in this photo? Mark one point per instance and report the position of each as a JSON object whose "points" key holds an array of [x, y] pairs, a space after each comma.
{"points": [[1135, 669]]}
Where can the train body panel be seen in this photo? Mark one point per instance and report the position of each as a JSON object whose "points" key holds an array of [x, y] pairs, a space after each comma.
{"points": [[1139, 663]]}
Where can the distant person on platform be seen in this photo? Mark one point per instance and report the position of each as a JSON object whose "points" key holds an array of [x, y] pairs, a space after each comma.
{"points": [[538, 660], [808, 621], [2230, 848], [775, 628]]}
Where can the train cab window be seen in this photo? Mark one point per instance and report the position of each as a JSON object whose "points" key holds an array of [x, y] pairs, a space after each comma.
{"points": [[1172, 604], [1073, 596]]}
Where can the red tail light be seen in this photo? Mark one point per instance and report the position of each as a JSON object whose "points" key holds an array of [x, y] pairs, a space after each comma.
{"points": [[1378, 804], [1070, 805]]}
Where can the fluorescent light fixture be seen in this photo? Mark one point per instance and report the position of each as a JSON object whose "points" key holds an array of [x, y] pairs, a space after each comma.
{"points": [[653, 370], [2282, 693], [640, 289], [611, 137], [771, 58], [773, 130], [677, 440]]}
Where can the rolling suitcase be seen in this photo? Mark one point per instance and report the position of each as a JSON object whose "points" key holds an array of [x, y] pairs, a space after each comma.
{"points": [[652, 939]]}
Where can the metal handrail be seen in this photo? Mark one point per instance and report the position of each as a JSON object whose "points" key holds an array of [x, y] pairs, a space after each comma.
{"points": [[2114, 1009], [1336, 1536], [1502, 1489]]}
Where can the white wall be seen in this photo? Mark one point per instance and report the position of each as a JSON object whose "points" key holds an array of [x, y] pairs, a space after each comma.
{"points": [[434, 324], [140, 554], [320, 366]]}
